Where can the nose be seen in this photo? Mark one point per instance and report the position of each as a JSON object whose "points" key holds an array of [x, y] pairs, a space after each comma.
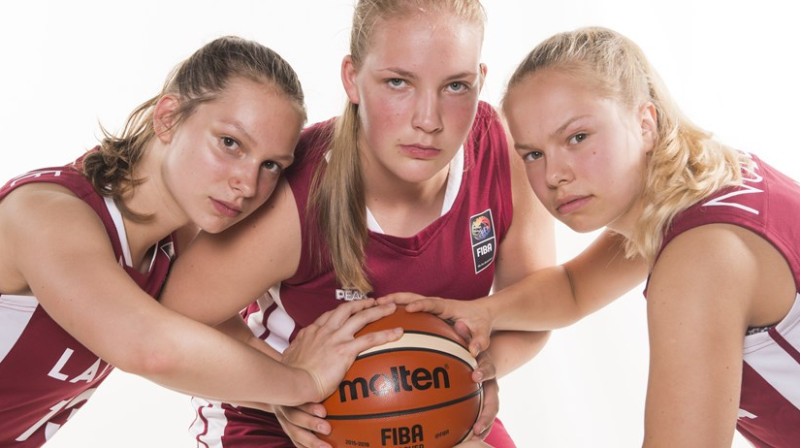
{"points": [[558, 170], [427, 117], [245, 180]]}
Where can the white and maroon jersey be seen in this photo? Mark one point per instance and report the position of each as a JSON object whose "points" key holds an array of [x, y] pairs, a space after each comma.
{"points": [[452, 257], [45, 374], [768, 204]]}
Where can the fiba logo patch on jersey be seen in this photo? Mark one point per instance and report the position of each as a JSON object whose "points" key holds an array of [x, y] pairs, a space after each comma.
{"points": [[481, 229]]}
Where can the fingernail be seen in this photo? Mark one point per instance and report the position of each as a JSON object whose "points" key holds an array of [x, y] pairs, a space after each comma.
{"points": [[479, 376]]}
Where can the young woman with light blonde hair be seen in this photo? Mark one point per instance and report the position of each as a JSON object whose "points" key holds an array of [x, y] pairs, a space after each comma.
{"points": [[713, 230]]}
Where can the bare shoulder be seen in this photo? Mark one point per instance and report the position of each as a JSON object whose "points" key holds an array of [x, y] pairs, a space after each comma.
{"points": [[37, 219], [725, 266]]}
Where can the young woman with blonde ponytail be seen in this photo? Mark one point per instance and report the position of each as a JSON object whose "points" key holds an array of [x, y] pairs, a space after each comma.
{"points": [[712, 229], [412, 188]]}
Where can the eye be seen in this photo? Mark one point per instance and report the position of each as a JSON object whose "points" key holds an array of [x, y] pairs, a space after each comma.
{"points": [[230, 143], [271, 166], [457, 86], [396, 82], [532, 156], [577, 138]]}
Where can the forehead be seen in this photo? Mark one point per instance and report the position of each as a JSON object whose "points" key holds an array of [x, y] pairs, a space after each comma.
{"points": [[543, 102], [419, 38]]}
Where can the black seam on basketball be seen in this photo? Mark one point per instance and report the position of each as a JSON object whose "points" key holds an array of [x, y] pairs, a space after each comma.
{"points": [[415, 349], [407, 411]]}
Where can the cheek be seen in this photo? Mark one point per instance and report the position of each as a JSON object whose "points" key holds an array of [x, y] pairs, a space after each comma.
{"points": [[536, 179]]}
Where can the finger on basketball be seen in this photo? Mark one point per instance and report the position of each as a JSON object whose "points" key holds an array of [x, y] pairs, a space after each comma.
{"points": [[400, 298], [339, 315], [357, 320], [375, 338]]}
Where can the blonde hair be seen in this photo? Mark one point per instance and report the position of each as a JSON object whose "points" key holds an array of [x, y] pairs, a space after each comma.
{"points": [[337, 200], [197, 80], [685, 164]]}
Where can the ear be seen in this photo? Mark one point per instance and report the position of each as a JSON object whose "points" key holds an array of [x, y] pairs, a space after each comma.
{"points": [[648, 121], [483, 70], [349, 75], [164, 114]]}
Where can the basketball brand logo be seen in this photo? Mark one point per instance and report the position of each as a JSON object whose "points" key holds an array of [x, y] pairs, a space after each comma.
{"points": [[481, 227], [397, 380]]}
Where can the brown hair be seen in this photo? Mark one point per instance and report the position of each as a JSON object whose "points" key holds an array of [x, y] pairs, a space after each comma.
{"points": [[337, 199], [197, 80], [685, 164]]}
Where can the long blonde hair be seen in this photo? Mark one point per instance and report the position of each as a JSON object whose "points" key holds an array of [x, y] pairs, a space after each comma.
{"points": [[337, 200], [685, 164], [198, 79]]}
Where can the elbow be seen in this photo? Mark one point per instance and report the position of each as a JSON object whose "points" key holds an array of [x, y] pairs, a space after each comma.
{"points": [[150, 358]]}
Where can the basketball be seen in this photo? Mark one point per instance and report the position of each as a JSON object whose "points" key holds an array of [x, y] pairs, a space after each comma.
{"points": [[413, 392]]}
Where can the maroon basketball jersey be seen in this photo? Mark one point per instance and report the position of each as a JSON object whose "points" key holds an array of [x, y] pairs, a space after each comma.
{"points": [[768, 203], [45, 374], [452, 257]]}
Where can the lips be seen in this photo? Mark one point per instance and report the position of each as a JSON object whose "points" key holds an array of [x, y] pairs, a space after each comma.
{"points": [[569, 204], [420, 151], [228, 209]]}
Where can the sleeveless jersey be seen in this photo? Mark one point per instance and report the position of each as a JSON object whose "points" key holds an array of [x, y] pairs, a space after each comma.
{"points": [[45, 374], [452, 257], [768, 204]]}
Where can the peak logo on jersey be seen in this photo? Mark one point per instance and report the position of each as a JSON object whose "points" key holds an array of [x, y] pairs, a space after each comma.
{"points": [[481, 229], [348, 295]]}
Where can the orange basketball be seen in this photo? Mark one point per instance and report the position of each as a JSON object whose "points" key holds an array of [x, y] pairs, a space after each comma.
{"points": [[414, 392]]}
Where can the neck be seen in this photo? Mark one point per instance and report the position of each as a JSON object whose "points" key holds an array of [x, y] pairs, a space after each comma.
{"points": [[150, 198]]}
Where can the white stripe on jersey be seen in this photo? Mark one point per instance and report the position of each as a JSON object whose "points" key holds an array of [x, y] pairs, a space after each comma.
{"points": [[119, 224], [279, 323], [771, 361], [15, 313], [209, 425]]}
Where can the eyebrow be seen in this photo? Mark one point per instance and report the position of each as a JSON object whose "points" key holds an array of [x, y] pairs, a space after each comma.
{"points": [[250, 140], [567, 123], [410, 75], [527, 147]]}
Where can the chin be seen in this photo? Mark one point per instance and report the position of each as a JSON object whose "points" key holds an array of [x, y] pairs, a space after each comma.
{"points": [[581, 226]]}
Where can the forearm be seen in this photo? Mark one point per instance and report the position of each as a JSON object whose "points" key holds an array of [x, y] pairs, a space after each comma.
{"points": [[558, 296], [544, 300], [199, 360], [511, 349]]}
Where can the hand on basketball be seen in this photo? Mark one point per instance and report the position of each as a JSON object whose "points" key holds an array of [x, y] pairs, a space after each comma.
{"points": [[470, 319], [328, 347], [485, 373], [301, 423]]}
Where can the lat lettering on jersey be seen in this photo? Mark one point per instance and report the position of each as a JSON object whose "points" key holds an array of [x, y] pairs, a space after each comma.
{"points": [[729, 200], [87, 375], [35, 174], [62, 405], [481, 229]]}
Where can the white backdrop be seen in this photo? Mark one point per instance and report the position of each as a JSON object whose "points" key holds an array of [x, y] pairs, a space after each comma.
{"points": [[68, 65]]}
